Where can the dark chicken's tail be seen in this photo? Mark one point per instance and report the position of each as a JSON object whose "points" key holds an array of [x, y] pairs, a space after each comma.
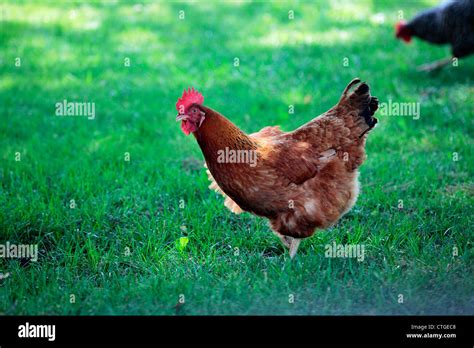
{"points": [[356, 97]]}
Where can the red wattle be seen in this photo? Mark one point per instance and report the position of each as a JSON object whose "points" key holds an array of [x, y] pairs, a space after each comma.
{"points": [[188, 127]]}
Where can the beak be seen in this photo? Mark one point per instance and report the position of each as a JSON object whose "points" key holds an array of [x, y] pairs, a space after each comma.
{"points": [[181, 117]]}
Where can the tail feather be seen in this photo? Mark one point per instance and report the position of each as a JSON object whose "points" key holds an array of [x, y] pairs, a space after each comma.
{"points": [[357, 96], [349, 86]]}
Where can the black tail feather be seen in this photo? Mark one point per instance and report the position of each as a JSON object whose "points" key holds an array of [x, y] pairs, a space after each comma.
{"points": [[363, 101]]}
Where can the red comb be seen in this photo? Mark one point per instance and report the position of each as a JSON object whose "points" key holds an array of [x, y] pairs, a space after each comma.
{"points": [[188, 98], [399, 25]]}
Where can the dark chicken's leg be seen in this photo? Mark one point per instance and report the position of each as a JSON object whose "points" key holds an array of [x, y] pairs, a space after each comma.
{"points": [[435, 65]]}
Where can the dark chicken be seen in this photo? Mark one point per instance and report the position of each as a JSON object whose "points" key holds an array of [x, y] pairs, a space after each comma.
{"points": [[449, 23]]}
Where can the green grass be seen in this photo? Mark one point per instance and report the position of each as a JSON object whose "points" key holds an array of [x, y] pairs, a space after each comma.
{"points": [[135, 205]]}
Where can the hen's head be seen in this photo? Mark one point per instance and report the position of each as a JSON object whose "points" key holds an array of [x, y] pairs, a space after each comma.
{"points": [[189, 111], [402, 31]]}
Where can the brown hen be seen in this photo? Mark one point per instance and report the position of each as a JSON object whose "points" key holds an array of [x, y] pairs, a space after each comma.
{"points": [[301, 180]]}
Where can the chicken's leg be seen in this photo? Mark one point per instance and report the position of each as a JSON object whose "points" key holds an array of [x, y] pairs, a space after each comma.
{"points": [[291, 243], [435, 65], [285, 240], [295, 243]]}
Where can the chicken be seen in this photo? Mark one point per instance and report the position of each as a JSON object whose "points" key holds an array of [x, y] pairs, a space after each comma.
{"points": [[301, 180], [449, 23]]}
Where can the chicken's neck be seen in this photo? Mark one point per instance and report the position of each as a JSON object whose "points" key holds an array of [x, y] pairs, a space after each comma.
{"points": [[218, 134]]}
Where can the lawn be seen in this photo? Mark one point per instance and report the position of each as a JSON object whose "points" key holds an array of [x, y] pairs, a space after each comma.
{"points": [[119, 206]]}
